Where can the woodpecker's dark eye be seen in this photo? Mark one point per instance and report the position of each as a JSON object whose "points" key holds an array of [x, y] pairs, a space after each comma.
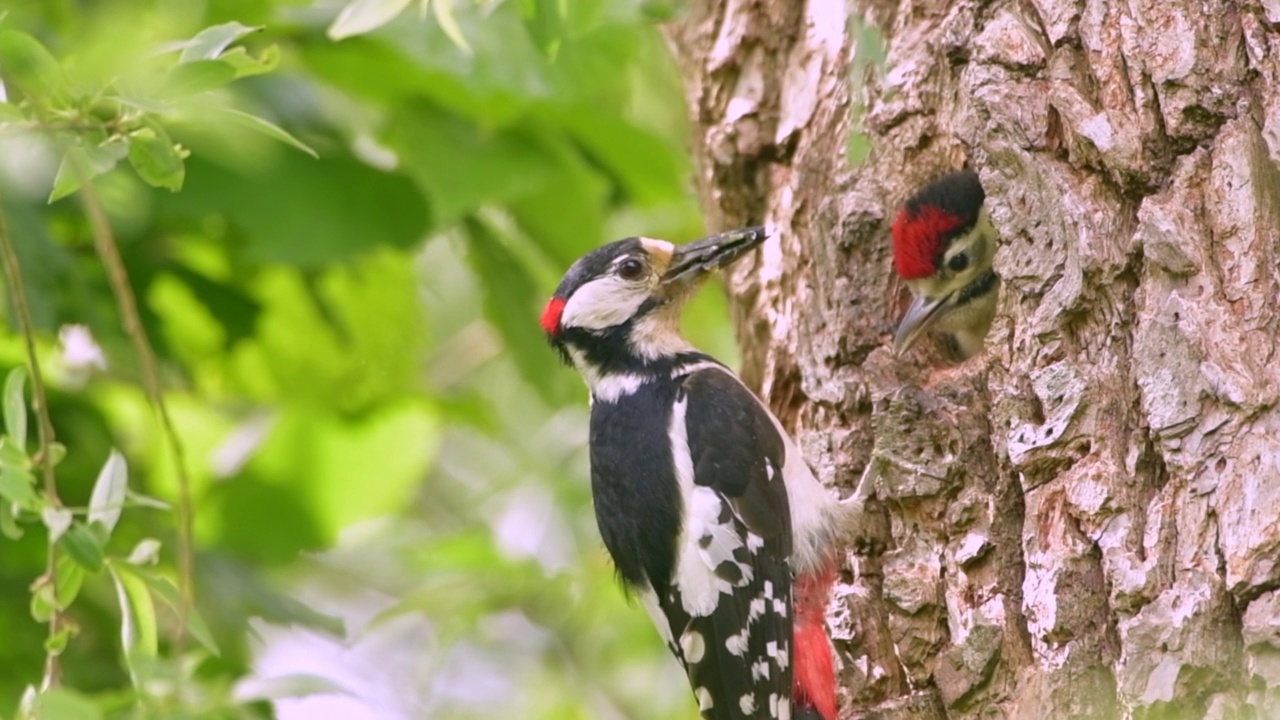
{"points": [[630, 269], [958, 262]]}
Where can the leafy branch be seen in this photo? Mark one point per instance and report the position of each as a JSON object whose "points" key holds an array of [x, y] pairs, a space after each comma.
{"points": [[15, 422]]}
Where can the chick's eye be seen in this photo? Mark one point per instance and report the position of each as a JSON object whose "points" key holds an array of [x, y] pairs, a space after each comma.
{"points": [[630, 269], [958, 262]]}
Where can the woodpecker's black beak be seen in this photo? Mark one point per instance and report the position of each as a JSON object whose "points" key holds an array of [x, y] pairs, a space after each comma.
{"points": [[923, 314], [693, 260]]}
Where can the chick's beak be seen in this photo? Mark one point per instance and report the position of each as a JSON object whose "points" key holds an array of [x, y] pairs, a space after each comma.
{"points": [[923, 314], [692, 261]]}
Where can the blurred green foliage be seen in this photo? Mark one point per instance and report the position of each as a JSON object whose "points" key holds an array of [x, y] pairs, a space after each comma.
{"points": [[340, 220]]}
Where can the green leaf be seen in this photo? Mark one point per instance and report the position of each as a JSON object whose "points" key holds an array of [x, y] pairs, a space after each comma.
{"points": [[61, 703], [15, 406], [109, 489], [18, 486], [318, 213], [511, 304], [138, 633], [28, 66], [196, 77], [164, 588], [81, 163], [246, 65], [285, 687], [70, 580], [157, 160], [8, 523], [83, 546], [270, 129], [56, 643], [544, 21], [13, 456], [43, 601], [209, 43], [362, 16], [463, 167]]}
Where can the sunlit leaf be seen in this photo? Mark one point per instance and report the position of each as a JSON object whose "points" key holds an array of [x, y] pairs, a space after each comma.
{"points": [[8, 522], [27, 65], [13, 456], [18, 486], [15, 406], [138, 633], [210, 42], [246, 65], [83, 546], [544, 21], [168, 593], [265, 127], [107, 499], [198, 76], [284, 687], [362, 16], [70, 579], [56, 643], [81, 163], [157, 160], [61, 703]]}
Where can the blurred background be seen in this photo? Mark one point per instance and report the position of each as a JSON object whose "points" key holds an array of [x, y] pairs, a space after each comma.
{"points": [[340, 248]]}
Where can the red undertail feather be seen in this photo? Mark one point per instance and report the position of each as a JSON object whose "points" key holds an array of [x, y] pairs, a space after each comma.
{"points": [[551, 315], [918, 240], [814, 677]]}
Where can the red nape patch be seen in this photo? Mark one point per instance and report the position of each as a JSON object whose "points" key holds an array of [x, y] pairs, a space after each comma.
{"points": [[551, 316], [918, 240], [813, 674]]}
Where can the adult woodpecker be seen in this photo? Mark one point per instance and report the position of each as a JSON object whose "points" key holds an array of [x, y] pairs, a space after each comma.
{"points": [[707, 508], [943, 246]]}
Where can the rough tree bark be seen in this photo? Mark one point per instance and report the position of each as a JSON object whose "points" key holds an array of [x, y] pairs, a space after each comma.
{"points": [[1084, 520]]}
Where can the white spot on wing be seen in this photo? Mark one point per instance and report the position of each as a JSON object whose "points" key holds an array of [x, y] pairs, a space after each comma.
{"points": [[737, 644], [760, 670], [693, 646], [784, 708], [747, 703], [757, 608], [705, 701]]}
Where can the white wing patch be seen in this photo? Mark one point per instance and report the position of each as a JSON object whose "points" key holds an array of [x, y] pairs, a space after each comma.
{"points": [[709, 538]]}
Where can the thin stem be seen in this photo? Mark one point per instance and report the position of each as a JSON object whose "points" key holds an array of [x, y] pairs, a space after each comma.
{"points": [[105, 244], [44, 432]]}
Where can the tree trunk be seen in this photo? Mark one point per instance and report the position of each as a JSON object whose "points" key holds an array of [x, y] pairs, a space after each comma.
{"points": [[1084, 519]]}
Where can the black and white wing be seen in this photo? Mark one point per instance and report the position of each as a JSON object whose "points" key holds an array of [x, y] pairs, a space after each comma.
{"points": [[729, 603]]}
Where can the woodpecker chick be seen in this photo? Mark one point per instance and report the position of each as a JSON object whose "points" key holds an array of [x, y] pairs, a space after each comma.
{"points": [[707, 508], [943, 246]]}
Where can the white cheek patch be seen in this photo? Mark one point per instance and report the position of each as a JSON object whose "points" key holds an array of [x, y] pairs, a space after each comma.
{"points": [[603, 303]]}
